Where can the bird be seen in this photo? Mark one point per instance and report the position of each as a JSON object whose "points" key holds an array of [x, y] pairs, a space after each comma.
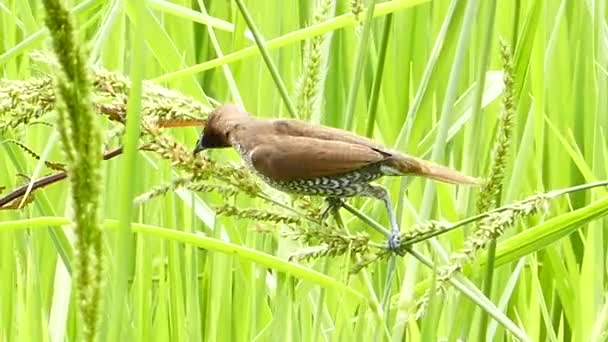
{"points": [[298, 157]]}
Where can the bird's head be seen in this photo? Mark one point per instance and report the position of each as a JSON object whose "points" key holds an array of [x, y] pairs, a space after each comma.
{"points": [[220, 124]]}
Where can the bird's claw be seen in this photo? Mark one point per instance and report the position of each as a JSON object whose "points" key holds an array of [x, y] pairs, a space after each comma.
{"points": [[333, 205], [394, 243]]}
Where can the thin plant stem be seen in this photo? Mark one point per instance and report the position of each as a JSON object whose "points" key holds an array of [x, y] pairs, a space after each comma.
{"points": [[380, 313], [291, 108], [361, 56], [375, 95], [474, 295]]}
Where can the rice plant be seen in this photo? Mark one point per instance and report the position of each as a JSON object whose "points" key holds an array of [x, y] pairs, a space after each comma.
{"points": [[111, 229]]}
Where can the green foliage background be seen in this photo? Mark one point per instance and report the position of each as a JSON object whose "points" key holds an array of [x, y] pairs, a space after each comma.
{"points": [[170, 281]]}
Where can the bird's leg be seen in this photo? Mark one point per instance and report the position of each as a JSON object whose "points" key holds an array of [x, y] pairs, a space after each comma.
{"points": [[333, 205], [380, 193]]}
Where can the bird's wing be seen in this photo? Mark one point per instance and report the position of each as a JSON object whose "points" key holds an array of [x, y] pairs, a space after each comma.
{"points": [[291, 158], [299, 128]]}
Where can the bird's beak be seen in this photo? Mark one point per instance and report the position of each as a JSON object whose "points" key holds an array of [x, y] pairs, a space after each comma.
{"points": [[199, 146]]}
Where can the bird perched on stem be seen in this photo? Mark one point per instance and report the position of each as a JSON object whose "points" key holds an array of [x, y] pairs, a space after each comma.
{"points": [[301, 158]]}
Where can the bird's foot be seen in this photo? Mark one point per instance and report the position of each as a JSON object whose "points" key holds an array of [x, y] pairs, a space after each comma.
{"points": [[333, 205], [394, 243]]}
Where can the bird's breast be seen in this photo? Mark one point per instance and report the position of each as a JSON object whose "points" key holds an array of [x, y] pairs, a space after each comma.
{"points": [[346, 185], [244, 153]]}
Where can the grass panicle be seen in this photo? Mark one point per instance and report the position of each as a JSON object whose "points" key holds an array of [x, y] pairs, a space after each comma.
{"points": [[357, 8], [309, 87], [257, 215], [329, 242], [369, 259], [422, 231], [490, 226], [311, 206], [491, 190], [50, 164], [187, 183], [199, 167], [81, 140], [25, 101]]}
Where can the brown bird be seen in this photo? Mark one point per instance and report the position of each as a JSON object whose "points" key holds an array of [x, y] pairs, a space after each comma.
{"points": [[297, 157]]}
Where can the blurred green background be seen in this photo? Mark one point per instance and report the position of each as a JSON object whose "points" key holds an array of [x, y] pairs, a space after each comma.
{"points": [[438, 97]]}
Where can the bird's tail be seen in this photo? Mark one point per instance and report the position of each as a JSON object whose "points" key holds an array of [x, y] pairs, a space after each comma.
{"points": [[408, 165]]}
